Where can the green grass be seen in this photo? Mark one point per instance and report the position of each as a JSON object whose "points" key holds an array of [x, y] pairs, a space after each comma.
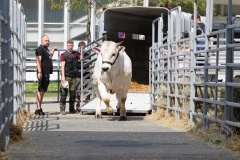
{"points": [[33, 87]]}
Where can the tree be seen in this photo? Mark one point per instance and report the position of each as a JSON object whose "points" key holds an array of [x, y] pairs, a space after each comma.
{"points": [[186, 5], [75, 6]]}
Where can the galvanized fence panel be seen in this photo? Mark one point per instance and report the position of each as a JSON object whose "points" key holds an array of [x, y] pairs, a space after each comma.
{"points": [[170, 67], [86, 83], [212, 98], [12, 66]]}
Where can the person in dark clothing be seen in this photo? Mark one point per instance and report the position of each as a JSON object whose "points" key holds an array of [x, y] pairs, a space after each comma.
{"points": [[69, 61], [44, 69], [200, 30]]}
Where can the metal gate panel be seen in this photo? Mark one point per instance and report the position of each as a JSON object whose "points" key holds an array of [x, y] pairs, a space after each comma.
{"points": [[12, 63], [221, 61]]}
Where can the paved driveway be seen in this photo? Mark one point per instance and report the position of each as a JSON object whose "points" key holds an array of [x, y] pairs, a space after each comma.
{"points": [[82, 137]]}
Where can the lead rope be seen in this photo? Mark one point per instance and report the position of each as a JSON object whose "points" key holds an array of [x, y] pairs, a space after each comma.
{"points": [[111, 62]]}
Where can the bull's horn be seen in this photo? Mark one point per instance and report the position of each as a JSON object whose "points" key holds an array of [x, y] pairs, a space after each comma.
{"points": [[118, 44], [97, 43]]}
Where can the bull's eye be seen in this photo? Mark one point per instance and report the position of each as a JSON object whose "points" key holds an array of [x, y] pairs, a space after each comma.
{"points": [[113, 54]]}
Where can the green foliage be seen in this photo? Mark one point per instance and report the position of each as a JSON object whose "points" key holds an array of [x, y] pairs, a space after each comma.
{"points": [[75, 5], [186, 5], [120, 3], [85, 5]]}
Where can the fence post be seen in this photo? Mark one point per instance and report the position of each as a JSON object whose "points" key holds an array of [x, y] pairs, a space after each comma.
{"points": [[12, 66], [229, 69], [5, 72]]}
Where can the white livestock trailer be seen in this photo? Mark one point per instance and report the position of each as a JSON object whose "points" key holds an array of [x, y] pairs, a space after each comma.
{"points": [[133, 26]]}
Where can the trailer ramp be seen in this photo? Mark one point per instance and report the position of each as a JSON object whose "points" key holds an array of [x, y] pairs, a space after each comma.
{"points": [[135, 103]]}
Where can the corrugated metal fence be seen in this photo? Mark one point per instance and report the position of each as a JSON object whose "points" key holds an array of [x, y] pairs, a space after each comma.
{"points": [[12, 65]]}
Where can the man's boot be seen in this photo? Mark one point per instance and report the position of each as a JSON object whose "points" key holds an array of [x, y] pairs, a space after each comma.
{"points": [[62, 108]]}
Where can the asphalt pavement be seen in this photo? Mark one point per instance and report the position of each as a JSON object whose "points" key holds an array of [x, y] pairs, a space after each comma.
{"points": [[82, 137]]}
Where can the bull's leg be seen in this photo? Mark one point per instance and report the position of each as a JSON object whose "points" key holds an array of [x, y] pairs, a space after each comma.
{"points": [[109, 109], [123, 115], [121, 97], [119, 105], [98, 113], [105, 97]]}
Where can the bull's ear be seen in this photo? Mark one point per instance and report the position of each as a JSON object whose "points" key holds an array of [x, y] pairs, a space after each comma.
{"points": [[121, 49], [96, 50]]}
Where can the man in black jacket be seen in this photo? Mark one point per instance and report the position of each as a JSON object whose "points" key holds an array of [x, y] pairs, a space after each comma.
{"points": [[44, 69], [68, 74]]}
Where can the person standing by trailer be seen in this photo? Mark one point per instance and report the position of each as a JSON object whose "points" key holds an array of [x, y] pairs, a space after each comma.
{"points": [[78, 95], [69, 61], [200, 30], [44, 69]]}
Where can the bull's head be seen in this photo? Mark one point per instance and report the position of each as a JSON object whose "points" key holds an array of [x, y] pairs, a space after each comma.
{"points": [[109, 51]]}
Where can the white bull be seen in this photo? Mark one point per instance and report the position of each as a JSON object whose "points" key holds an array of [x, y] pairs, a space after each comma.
{"points": [[112, 74]]}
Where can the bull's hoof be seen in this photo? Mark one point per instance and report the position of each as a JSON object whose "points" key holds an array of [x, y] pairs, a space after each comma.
{"points": [[109, 111], [98, 114], [123, 118]]}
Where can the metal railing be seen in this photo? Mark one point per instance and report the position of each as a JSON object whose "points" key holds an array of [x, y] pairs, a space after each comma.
{"points": [[86, 83], [12, 66], [175, 74]]}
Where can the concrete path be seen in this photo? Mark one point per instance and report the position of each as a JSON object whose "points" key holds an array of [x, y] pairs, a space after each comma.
{"points": [[82, 137]]}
